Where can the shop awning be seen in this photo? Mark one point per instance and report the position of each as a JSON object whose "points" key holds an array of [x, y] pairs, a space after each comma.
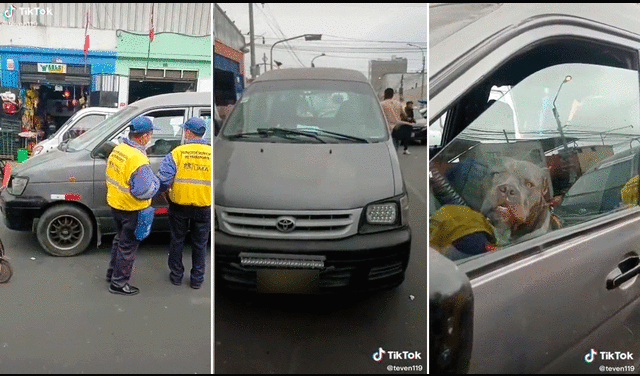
{"points": [[40, 78]]}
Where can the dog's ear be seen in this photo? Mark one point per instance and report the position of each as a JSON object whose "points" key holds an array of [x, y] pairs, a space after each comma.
{"points": [[546, 192]]}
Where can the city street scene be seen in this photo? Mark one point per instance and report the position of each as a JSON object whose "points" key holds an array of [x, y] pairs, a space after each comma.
{"points": [[320, 186], [95, 99]]}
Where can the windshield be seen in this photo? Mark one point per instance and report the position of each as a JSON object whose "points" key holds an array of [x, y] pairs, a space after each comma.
{"points": [[101, 130], [334, 111]]}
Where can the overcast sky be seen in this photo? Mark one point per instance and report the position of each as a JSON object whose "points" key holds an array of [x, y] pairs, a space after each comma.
{"points": [[352, 34]]}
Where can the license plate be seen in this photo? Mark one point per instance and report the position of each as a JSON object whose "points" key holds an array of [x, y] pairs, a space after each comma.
{"points": [[288, 281]]}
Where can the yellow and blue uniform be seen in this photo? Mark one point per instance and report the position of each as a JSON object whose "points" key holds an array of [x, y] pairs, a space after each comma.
{"points": [[186, 173]]}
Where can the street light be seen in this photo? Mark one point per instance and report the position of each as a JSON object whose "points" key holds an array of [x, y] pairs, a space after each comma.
{"points": [[307, 37], [421, 87], [557, 116], [322, 54]]}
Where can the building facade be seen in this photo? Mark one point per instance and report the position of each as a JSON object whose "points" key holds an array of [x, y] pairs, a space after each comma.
{"points": [[228, 61], [103, 52]]}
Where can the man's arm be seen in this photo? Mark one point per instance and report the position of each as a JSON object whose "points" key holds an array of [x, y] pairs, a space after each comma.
{"points": [[166, 173], [144, 183]]}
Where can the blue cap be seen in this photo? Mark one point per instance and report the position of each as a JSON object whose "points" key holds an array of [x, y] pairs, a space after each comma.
{"points": [[141, 124], [196, 125]]}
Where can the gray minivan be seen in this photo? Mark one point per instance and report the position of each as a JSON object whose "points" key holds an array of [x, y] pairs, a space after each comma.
{"points": [[61, 195], [309, 196]]}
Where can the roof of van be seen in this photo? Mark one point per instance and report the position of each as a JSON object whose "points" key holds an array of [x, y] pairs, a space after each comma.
{"points": [[178, 99], [456, 30], [337, 74]]}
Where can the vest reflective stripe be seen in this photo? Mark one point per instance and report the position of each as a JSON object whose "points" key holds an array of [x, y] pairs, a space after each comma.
{"points": [[192, 182], [121, 164]]}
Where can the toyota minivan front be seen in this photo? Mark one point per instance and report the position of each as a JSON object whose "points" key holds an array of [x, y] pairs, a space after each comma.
{"points": [[309, 196]]}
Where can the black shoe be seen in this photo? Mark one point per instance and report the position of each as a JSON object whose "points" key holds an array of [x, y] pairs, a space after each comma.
{"points": [[196, 285], [125, 290], [176, 283]]}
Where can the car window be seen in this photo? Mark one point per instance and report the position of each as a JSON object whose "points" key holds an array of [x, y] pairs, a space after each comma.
{"points": [[84, 124], [205, 114], [553, 151], [166, 136], [347, 108]]}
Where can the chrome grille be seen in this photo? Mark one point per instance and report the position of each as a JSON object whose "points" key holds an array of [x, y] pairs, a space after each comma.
{"points": [[309, 224]]}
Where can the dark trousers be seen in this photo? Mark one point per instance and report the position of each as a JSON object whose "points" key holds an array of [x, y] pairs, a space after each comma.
{"points": [[181, 219], [124, 247], [402, 135]]}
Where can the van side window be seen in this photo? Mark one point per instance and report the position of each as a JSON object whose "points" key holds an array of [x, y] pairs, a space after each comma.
{"points": [[552, 151]]}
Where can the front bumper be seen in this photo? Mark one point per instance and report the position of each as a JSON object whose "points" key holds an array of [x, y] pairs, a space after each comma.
{"points": [[19, 212], [364, 262]]}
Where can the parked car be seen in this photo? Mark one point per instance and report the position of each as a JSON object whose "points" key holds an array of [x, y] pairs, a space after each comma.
{"points": [[61, 195], [309, 195], [80, 122], [419, 131], [553, 291]]}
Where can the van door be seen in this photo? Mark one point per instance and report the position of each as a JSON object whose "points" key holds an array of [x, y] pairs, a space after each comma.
{"points": [[169, 135]]}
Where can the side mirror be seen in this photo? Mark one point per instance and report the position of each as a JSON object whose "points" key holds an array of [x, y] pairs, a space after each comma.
{"points": [[66, 136], [450, 316]]}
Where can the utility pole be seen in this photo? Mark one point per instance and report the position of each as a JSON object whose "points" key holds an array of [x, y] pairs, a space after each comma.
{"points": [[252, 43]]}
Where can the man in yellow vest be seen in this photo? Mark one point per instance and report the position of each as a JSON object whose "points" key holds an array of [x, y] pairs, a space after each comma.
{"points": [[131, 184], [186, 171]]}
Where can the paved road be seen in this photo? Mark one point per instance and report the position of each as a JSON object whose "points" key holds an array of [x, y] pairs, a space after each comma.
{"points": [[303, 334], [58, 317]]}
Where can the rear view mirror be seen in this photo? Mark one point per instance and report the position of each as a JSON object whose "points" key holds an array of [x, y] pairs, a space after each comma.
{"points": [[450, 316]]}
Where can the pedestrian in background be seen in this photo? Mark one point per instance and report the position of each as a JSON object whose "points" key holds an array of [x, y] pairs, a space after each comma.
{"points": [[131, 184], [393, 112], [186, 172], [409, 116]]}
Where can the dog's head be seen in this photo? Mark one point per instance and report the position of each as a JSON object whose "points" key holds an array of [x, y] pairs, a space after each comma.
{"points": [[518, 195]]}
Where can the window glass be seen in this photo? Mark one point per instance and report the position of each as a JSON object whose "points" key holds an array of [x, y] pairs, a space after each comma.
{"points": [[205, 114], [84, 124], [347, 108], [552, 151], [166, 136]]}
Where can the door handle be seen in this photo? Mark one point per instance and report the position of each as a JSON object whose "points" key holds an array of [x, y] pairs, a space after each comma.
{"points": [[627, 269]]}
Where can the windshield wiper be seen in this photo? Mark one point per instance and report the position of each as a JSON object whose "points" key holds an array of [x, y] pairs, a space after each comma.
{"points": [[284, 132], [342, 136]]}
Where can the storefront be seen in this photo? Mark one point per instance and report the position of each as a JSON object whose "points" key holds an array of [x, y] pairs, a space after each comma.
{"points": [[49, 85]]}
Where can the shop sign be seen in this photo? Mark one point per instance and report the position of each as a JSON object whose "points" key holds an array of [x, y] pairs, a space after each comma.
{"points": [[52, 68]]}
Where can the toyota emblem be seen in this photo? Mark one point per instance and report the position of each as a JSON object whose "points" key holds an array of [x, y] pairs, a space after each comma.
{"points": [[285, 224]]}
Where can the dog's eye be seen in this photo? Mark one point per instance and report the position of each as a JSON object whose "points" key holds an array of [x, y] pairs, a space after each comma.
{"points": [[529, 184]]}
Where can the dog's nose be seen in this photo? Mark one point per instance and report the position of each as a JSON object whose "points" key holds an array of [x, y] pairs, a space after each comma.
{"points": [[508, 190]]}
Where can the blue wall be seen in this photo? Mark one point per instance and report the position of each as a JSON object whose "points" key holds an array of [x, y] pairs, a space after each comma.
{"points": [[102, 62], [225, 64]]}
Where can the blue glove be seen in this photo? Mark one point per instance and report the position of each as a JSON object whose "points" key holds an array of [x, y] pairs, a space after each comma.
{"points": [[145, 219]]}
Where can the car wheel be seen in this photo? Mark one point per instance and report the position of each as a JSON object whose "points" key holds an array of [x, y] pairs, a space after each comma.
{"points": [[5, 271], [65, 230]]}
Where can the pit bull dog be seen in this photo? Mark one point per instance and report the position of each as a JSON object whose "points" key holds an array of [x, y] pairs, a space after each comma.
{"points": [[517, 203]]}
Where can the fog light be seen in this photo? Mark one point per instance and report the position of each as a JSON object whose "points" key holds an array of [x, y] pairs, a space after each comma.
{"points": [[382, 214]]}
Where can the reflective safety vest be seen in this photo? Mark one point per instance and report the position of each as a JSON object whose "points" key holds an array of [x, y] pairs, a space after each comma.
{"points": [[121, 164], [192, 183]]}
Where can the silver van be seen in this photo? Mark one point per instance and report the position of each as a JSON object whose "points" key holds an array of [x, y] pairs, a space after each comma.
{"points": [[80, 122], [61, 196], [309, 196]]}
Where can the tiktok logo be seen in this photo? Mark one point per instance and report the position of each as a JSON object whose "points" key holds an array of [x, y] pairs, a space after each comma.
{"points": [[589, 357], [377, 356], [9, 12]]}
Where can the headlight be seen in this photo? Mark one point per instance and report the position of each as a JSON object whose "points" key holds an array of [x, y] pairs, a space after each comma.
{"points": [[382, 214], [385, 215], [17, 185], [37, 150]]}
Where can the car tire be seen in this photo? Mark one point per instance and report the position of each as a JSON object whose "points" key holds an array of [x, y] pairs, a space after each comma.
{"points": [[65, 230]]}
